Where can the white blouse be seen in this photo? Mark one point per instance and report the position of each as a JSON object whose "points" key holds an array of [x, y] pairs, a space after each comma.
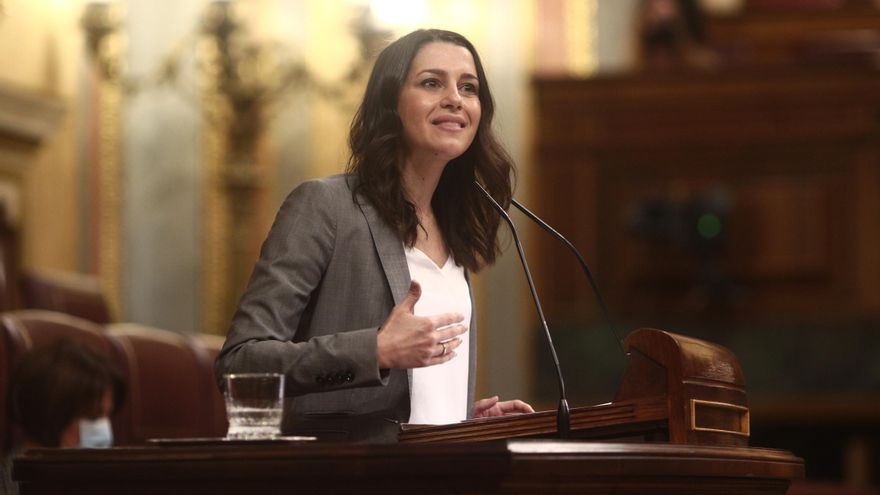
{"points": [[438, 394]]}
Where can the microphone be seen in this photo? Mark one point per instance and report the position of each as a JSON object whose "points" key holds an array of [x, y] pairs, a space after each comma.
{"points": [[602, 307], [563, 417]]}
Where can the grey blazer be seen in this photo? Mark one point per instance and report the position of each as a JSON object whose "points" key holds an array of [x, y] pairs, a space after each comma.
{"points": [[329, 273]]}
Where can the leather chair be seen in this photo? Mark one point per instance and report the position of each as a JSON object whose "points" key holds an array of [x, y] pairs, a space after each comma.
{"points": [[72, 293], [9, 262], [210, 346], [172, 393], [21, 331]]}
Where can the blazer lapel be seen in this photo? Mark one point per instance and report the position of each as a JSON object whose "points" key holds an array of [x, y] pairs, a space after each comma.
{"points": [[390, 250]]}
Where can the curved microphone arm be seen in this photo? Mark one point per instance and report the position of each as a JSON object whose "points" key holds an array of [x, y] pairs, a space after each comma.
{"points": [[563, 417], [605, 313]]}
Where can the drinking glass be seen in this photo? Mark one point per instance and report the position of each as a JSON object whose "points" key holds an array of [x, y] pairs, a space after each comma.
{"points": [[254, 405]]}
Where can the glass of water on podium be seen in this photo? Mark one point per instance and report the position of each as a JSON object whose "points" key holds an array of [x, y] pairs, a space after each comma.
{"points": [[254, 405]]}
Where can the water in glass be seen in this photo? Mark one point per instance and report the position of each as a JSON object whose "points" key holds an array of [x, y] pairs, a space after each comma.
{"points": [[254, 405]]}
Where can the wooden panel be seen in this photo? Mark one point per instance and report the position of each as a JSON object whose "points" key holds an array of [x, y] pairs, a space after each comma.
{"points": [[780, 239], [788, 218], [778, 169], [867, 194], [484, 468], [798, 32]]}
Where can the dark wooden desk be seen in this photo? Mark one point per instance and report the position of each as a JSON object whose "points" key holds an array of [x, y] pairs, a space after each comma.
{"points": [[511, 466]]}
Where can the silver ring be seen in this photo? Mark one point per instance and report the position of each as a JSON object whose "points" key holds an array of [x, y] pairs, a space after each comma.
{"points": [[444, 349]]}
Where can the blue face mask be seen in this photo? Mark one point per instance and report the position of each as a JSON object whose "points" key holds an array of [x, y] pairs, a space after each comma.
{"points": [[95, 433]]}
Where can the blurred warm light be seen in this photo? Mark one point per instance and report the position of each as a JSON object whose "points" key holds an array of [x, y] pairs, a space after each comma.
{"points": [[722, 7], [395, 13]]}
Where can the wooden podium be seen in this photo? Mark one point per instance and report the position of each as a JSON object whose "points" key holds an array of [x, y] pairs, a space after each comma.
{"points": [[494, 467], [679, 424], [675, 388]]}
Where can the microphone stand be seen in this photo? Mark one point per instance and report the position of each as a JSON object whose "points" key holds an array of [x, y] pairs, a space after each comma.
{"points": [[605, 313], [563, 416]]}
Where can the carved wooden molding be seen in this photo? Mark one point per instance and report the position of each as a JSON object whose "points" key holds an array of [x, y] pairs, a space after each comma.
{"points": [[27, 118]]}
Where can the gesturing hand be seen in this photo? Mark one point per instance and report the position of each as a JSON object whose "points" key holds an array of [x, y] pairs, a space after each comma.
{"points": [[485, 408], [409, 341]]}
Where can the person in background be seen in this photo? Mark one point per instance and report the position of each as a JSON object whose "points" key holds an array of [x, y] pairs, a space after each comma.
{"points": [[673, 36], [361, 295], [62, 395]]}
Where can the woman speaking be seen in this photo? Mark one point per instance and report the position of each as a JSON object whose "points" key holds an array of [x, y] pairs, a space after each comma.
{"points": [[361, 296]]}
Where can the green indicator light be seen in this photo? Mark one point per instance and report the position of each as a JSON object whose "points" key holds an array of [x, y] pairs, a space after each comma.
{"points": [[709, 225]]}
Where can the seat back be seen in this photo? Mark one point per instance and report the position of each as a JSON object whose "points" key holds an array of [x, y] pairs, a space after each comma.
{"points": [[210, 346], [9, 262], [21, 331], [172, 393], [72, 293]]}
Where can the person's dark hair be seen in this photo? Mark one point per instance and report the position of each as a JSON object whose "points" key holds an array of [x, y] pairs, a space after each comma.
{"points": [[57, 383], [469, 223]]}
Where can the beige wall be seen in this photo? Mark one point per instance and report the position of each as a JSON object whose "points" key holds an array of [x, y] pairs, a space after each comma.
{"points": [[40, 49]]}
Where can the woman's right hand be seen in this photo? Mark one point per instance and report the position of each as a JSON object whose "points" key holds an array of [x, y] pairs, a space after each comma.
{"points": [[409, 341]]}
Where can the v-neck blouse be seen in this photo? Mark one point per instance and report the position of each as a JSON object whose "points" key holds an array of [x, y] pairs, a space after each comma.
{"points": [[438, 394]]}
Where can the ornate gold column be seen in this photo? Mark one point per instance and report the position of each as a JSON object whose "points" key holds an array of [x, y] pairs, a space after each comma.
{"points": [[233, 99], [245, 80], [215, 252], [101, 22]]}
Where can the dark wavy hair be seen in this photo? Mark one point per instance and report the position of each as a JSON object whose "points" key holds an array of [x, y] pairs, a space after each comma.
{"points": [[468, 222], [57, 383]]}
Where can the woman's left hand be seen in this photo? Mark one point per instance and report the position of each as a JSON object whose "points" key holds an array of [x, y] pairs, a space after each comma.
{"points": [[485, 408]]}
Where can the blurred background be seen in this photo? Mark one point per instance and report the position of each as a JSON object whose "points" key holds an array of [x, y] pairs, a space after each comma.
{"points": [[717, 162]]}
